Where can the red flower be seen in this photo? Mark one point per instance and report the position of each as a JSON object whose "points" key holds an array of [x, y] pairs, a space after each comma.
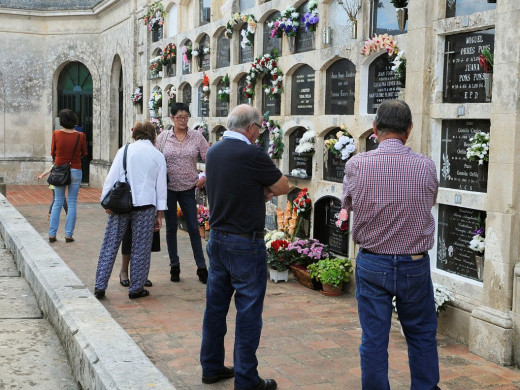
{"points": [[308, 201]]}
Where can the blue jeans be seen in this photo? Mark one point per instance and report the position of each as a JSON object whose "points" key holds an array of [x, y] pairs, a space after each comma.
{"points": [[378, 279], [59, 199], [236, 265], [188, 205]]}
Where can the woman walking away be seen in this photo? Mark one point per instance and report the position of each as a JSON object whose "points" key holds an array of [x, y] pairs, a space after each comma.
{"points": [[181, 147], [146, 173], [68, 146]]}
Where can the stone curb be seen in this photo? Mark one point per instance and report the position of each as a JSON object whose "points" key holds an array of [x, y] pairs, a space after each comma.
{"points": [[102, 355]]}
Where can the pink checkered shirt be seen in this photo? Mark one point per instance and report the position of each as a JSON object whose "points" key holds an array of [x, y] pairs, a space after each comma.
{"points": [[391, 191], [181, 158]]}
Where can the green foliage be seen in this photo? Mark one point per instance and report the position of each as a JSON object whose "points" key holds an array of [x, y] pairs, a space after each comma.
{"points": [[399, 3], [335, 271]]}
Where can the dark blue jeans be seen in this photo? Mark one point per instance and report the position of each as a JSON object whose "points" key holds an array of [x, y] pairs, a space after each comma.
{"points": [[236, 265], [188, 205], [378, 279]]}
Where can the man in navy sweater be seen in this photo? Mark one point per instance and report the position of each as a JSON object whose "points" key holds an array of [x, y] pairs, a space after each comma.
{"points": [[240, 178]]}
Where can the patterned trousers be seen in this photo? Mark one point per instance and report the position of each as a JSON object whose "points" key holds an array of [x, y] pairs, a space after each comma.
{"points": [[142, 235]]}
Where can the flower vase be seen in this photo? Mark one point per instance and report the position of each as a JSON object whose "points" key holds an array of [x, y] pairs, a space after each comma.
{"points": [[277, 276], [153, 114], [202, 232], [402, 16], [488, 85], [480, 266], [332, 291]]}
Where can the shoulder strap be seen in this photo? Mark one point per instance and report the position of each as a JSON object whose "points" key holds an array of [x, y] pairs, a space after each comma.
{"points": [[75, 146], [164, 141], [124, 160]]}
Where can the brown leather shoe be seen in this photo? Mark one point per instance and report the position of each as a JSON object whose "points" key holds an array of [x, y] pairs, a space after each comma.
{"points": [[69, 239], [52, 239]]}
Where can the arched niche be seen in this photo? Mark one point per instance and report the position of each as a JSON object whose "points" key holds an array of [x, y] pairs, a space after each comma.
{"points": [[223, 50], [325, 230], [305, 227], [271, 43], [297, 161]]}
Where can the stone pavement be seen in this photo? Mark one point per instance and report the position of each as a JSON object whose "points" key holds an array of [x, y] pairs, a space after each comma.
{"points": [[309, 341]]}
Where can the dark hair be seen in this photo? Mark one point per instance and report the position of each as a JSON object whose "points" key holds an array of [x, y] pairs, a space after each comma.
{"points": [[68, 119], [144, 130], [393, 116], [176, 107]]}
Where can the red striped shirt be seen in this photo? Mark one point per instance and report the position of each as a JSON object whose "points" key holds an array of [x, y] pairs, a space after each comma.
{"points": [[391, 191]]}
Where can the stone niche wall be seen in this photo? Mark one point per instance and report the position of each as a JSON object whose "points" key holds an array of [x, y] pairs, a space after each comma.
{"points": [[49, 4]]}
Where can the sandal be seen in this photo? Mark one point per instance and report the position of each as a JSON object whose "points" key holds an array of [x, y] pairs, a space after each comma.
{"points": [[124, 282], [139, 294]]}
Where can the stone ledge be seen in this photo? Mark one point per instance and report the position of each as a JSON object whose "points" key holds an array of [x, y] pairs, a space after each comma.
{"points": [[101, 353]]}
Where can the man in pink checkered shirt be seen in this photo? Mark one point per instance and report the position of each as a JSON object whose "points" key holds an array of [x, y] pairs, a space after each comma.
{"points": [[391, 191]]}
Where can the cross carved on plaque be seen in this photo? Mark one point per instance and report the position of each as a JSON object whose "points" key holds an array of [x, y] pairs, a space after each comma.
{"points": [[447, 62]]}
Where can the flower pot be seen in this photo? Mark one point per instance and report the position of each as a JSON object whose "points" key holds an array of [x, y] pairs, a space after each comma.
{"points": [[303, 277], [480, 266], [330, 290], [276, 276], [488, 85], [402, 16], [202, 231]]}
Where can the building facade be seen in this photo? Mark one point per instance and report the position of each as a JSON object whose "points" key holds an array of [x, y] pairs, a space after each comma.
{"points": [[99, 57]]}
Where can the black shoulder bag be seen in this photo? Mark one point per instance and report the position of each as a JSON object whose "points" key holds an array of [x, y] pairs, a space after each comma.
{"points": [[60, 174], [119, 198]]}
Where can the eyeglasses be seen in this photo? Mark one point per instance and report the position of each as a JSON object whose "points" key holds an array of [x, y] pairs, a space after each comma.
{"points": [[182, 117], [261, 128]]}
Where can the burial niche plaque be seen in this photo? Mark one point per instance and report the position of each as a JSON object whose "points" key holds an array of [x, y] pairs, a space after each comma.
{"points": [[271, 43], [382, 83], [245, 53], [325, 229], [186, 66], [186, 94], [340, 91], [302, 94], [463, 76], [467, 7], [301, 162], [455, 231], [204, 57], [223, 50], [222, 106], [203, 104], [456, 170], [333, 165], [270, 104]]}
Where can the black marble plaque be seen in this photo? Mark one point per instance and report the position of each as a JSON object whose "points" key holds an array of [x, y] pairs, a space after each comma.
{"points": [[296, 160], [371, 143], [463, 77], [186, 94], [270, 104], [456, 170], [382, 83], [304, 40], [455, 231], [222, 107], [302, 94], [333, 165], [271, 43], [245, 54], [241, 95], [157, 34], [340, 93], [204, 58], [203, 105], [466, 7], [170, 70], [325, 230], [223, 50]]}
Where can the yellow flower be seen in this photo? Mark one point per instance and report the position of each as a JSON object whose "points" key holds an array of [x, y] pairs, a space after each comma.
{"points": [[340, 134]]}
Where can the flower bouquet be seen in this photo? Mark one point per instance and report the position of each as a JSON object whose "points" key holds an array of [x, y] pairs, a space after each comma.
{"points": [[171, 93], [306, 144], [265, 65], [154, 19], [478, 148], [341, 220], [202, 215], [485, 60], [310, 19], [399, 68], [287, 23], [279, 258], [205, 88], [342, 145], [186, 54], [155, 66], [155, 101], [378, 43], [223, 94], [169, 54], [276, 145], [248, 35], [478, 242], [137, 96]]}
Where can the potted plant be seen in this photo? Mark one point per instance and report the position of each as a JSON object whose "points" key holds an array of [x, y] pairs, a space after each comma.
{"points": [[332, 273], [306, 252], [485, 61], [279, 259], [202, 218], [402, 12]]}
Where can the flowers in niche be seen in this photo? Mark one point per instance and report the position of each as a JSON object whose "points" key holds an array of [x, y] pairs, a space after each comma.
{"points": [[223, 94], [399, 67], [299, 172], [478, 243], [302, 203], [248, 34], [342, 145], [202, 126], [310, 19], [306, 144], [378, 43], [155, 100], [137, 96], [154, 19], [155, 66], [265, 65], [169, 54], [186, 53], [287, 23], [341, 219], [478, 150], [276, 145], [205, 88], [485, 60], [172, 94]]}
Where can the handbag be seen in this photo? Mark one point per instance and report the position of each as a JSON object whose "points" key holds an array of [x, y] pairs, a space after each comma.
{"points": [[119, 198], [60, 174]]}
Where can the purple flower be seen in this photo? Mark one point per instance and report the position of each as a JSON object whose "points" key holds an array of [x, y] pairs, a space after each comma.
{"points": [[479, 231]]}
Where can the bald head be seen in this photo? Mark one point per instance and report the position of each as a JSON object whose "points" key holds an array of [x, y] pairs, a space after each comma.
{"points": [[242, 116]]}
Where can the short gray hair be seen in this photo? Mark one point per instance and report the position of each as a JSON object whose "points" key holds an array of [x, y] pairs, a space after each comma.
{"points": [[242, 116]]}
